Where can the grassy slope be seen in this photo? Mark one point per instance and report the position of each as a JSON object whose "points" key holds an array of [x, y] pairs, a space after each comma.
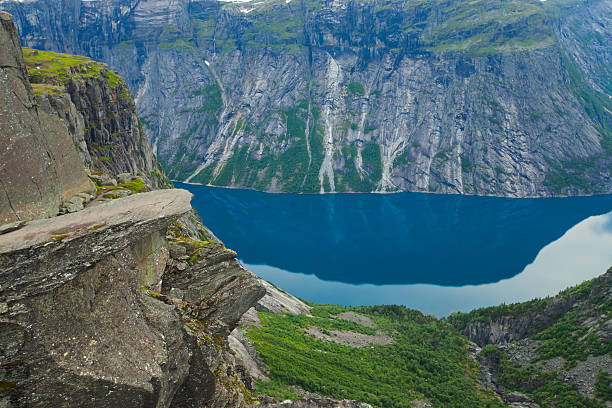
{"points": [[564, 332], [429, 359], [50, 71]]}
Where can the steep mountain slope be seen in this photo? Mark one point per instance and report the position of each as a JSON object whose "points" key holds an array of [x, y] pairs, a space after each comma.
{"points": [[39, 167], [132, 302], [557, 350], [553, 352], [99, 112], [493, 98], [126, 302]]}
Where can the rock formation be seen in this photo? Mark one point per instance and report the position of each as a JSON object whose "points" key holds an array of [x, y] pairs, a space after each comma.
{"points": [[569, 334], [39, 167], [126, 302], [486, 97]]}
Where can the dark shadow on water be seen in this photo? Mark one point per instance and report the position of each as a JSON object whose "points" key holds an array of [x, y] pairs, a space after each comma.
{"points": [[401, 238]]}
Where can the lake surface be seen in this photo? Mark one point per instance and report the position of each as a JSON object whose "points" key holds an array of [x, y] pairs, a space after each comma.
{"points": [[435, 253]]}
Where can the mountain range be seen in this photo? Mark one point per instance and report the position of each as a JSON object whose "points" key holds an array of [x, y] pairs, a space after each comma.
{"points": [[507, 98]]}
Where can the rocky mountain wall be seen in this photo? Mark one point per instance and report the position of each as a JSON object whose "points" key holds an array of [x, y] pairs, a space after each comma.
{"points": [[506, 324], [39, 168], [99, 112], [127, 300], [460, 97]]}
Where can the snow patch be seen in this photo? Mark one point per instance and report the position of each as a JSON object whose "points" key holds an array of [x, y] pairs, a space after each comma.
{"points": [[246, 11], [207, 63]]}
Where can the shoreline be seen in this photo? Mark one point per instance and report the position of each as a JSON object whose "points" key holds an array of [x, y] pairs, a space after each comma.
{"points": [[395, 192]]}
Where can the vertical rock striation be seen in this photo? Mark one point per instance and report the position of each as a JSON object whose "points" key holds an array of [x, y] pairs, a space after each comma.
{"points": [[488, 98], [127, 302], [39, 167], [99, 111]]}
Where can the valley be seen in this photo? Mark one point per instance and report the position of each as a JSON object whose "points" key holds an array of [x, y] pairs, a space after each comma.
{"points": [[116, 291]]}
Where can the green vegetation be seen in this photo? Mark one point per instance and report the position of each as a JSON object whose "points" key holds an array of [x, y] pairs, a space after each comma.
{"points": [[355, 88], [59, 237], [290, 167], [427, 360], [401, 159], [97, 227], [194, 247], [466, 165], [205, 174], [233, 168], [46, 89], [569, 339], [111, 196], [569, 173], [531, 308], [353, 179], [575, 172], [603, 386], [213, 102], [562, 332], [326, 183], [113, 80], [485, 27], [186, 158], [372, 158], [293, 162], [278, 28], [55, 69], [135, 186], [441, 156], [547, 389], [597, 105]]}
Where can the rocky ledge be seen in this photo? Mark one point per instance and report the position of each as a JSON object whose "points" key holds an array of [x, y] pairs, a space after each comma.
{"points": [[71, 242], [101, 308]]}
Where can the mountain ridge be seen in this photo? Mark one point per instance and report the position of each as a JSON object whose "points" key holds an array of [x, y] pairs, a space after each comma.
{"points": [[306, 96]]}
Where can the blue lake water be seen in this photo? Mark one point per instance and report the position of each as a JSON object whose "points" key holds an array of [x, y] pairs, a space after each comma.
{"points": [[435, 253]]}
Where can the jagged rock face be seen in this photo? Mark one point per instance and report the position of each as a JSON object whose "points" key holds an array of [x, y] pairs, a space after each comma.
{"points": [[566, 337], [85, 313], [39, 167], [503, 328], [85, 319], [100, 114], [116, 141], [84, 330], [348, 96]]}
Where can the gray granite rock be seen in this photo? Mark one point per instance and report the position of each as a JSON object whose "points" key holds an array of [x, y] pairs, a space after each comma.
{"points": [[380, 102], [85, 316], [39, 167]]}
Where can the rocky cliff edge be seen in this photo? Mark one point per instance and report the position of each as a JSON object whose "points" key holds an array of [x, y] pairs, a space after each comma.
{"points": [[126, 299]]}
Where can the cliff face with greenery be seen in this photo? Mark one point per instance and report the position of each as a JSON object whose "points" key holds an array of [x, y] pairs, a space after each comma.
{"points": [[557, 351], [487, 97], [553, 352], [99, 112], [125, 299]]}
